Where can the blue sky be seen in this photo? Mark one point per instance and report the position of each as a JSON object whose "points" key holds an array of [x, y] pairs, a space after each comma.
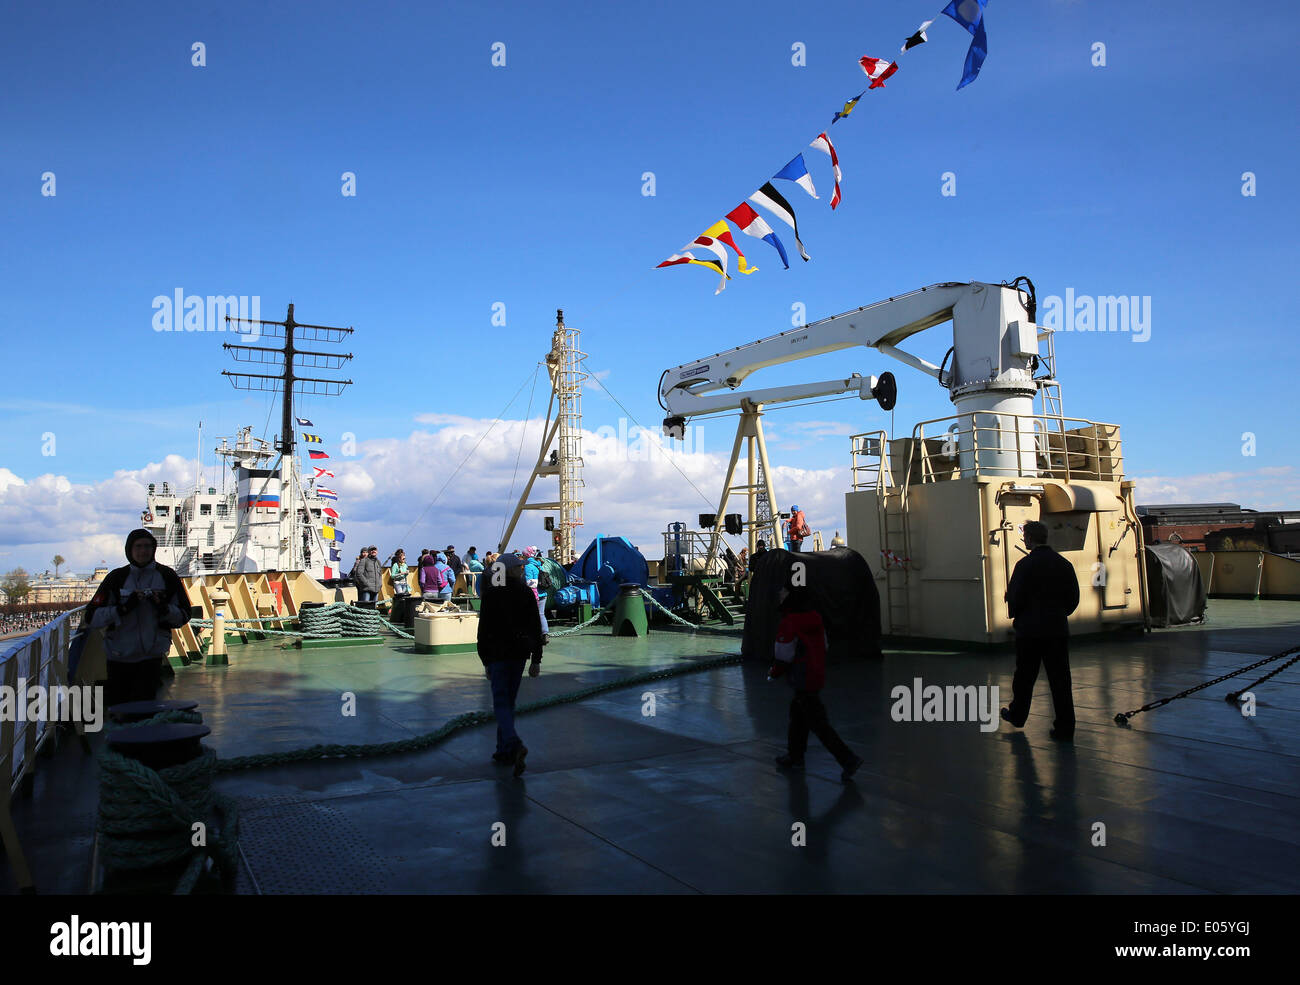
{"points": [[522, 185]]}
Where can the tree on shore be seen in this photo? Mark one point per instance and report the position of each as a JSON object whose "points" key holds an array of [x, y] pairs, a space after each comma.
{"points": [[56, 561], [16, 585]]}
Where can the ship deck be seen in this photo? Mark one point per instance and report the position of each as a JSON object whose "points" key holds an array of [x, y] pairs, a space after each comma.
{"points": [[1195, 798]]}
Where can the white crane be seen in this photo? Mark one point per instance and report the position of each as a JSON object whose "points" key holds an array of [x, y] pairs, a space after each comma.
{"points": [[993, 358]]}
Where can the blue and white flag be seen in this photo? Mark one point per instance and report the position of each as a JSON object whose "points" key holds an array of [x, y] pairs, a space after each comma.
{"points": [[303, 422], [970, 15], [797, 171], [335, 554]]}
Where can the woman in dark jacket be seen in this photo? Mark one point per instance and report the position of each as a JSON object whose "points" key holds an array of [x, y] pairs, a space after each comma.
{"points": [[509, 632]]}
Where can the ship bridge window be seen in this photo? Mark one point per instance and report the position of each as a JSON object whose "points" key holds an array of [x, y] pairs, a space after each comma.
{"points": [[161, 510], [205, 509]]}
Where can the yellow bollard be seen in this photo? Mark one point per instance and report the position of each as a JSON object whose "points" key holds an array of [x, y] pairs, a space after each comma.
{"points": [[217, 656]]}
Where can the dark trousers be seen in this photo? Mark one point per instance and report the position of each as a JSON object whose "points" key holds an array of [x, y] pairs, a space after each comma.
{"points": [[137, 681], [505, 676], [808, 714], [1053, 653]]}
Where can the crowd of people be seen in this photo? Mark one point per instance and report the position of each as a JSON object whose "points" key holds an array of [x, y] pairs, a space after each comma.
{"points": [[444, 574], [22, 622]]}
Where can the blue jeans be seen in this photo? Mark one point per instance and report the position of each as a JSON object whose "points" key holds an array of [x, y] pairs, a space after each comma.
{"points": [[541, 611], [505, 676], [364, 596]]}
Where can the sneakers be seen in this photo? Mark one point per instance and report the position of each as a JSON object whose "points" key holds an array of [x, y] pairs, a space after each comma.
{"points": [[788, 762], [852, 768], [520, 752], [546, 638], [1006, 717]]}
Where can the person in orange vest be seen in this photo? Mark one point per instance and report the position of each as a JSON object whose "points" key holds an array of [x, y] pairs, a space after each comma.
{"points": [[797, 528]]}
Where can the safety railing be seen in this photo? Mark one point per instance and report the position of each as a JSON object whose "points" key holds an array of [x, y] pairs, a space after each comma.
{"points": [[686, 552], [36, 663], [987, 443]]}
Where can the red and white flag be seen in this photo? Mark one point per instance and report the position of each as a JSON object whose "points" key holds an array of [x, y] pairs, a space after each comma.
{"points": [[333, 514], [823, 143], [877, 70], [322, 473]]}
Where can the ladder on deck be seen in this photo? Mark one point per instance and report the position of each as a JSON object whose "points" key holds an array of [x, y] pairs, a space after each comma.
{"points": [[895, 557]]}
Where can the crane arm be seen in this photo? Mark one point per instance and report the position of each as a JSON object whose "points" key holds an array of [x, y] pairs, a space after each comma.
{"points": [[994, 339]]}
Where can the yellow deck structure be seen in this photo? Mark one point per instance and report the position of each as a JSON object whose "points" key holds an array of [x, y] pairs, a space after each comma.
{"points": [[939, 517]]}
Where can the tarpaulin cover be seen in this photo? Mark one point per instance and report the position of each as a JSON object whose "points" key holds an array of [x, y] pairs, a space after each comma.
{"points": [[611, 562], [1174, 586], [845, 595]]}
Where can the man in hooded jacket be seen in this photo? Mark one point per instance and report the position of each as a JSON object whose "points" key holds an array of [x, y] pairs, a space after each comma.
{"points": [[509, 633], [137, 606]]}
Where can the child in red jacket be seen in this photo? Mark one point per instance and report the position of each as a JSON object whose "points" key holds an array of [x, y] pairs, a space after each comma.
{"points": [[800, 657]]}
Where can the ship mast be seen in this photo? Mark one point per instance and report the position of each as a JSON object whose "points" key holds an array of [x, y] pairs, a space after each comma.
{"points": [[564, 366], [287, 382]]}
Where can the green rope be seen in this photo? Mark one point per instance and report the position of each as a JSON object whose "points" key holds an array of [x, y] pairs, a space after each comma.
{"points": [[146, 817], [600, 613], [354, 621], [397, 629], [429, 739]]}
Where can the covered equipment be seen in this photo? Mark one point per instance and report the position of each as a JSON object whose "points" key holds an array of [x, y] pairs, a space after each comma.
{"points": [[1175, 587], [846, 597]]}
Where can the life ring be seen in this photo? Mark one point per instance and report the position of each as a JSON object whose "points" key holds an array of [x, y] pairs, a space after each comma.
{"points": [[148, 517]]}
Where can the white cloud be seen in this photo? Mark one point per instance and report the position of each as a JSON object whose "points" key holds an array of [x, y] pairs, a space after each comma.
{"points": [[636, 483], [1268, 488]]}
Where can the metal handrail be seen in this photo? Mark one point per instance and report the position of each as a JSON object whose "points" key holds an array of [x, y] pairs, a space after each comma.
{"points": [[1098, 466]]}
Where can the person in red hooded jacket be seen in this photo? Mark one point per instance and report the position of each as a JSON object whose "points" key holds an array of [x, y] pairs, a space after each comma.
{"points": [[800, 657]]}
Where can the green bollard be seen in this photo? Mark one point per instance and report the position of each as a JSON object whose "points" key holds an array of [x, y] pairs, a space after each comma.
{"points": [[629, 612]]}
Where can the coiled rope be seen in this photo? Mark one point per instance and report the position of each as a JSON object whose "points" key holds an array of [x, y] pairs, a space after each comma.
{"points": [[147, 817]]}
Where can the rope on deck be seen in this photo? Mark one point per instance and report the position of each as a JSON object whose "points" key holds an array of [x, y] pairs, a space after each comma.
{"points": [[429, 739], [146, 817], [1123, 717]]}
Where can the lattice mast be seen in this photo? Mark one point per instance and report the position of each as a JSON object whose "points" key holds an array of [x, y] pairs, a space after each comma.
{"points": [[287, 382], [563, 430], [567, 379]]}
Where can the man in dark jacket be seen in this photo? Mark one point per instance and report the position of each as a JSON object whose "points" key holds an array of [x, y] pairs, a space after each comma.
{"points": [[137, 606], [1040, 597], [368, 575], [509, 632], [454, 560]]}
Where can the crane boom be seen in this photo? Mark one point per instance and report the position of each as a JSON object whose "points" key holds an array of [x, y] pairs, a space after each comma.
{"points": [[994, 347]]}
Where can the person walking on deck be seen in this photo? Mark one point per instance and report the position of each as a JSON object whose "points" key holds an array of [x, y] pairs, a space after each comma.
{"points": [[509, 633], [800, 657], [1042, 593]]}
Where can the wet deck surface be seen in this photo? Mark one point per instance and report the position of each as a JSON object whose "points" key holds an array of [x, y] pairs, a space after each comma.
{"points": [[1194, 796]]}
